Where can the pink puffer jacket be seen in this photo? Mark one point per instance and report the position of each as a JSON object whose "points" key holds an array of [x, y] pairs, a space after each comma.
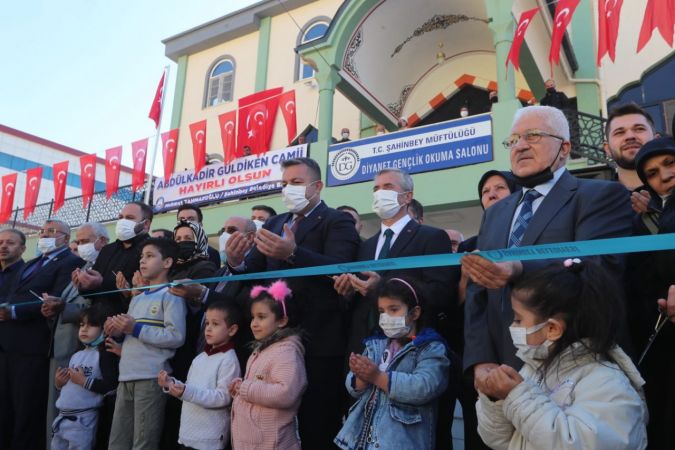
{"points": [[264, 412]]}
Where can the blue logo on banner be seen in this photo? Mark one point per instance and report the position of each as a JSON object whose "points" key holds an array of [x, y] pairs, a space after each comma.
{"points": [[424, 149]]}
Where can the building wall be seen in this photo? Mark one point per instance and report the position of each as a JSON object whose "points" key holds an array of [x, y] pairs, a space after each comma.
{"points": [[281, 73]]}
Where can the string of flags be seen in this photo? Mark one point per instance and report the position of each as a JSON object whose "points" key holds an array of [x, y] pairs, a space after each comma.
{"points": [[251, 129], [659, 15]]}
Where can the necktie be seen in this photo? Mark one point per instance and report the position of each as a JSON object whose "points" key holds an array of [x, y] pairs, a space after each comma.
{"points": [[35, 266], [296, 223], [523, 218], [221, 284], [386, 246]]}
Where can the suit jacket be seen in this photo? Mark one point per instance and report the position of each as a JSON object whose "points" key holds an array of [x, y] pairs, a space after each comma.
{"points": [[574, 210], [29, 333], [327, 236], [439, 283]]}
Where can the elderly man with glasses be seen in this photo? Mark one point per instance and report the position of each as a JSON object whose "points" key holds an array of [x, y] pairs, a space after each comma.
{"points": [[552, 206], [25, 338]]}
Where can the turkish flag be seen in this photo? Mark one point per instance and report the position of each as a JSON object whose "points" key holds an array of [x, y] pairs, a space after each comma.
{"points": [[287, 104], [87, 178], [658, 14], [198, 135], [60, 174], [519, 37], [33, 181], [156, 108], [139, 149], [8, 188], [169, 143], [256, 120], [608, 27], [113, 157], [562, 18], [228, 130]]}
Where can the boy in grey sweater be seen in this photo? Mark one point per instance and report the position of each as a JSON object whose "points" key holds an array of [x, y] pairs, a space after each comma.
{"points": [[153, 328], [91, 374]]}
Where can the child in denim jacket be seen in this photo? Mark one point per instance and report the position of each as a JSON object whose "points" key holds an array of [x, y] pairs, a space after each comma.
{"points": [[398, 379]]}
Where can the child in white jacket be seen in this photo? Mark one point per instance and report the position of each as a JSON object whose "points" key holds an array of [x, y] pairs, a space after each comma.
{"points": [[205, 416], [577, 389]]}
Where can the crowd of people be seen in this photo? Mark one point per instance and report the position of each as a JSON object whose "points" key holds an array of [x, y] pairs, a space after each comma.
{"points": [[114, 344]]}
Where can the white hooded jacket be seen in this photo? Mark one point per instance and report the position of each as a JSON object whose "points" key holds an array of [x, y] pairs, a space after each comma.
{"points": [[583, 403]]}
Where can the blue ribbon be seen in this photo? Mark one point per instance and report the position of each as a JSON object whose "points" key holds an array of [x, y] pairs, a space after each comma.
{"points": [[560, 250]]}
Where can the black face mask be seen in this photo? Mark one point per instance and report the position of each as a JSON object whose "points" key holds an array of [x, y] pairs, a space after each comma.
{"points": [[186, 249], [494, 99], [538, 178], [550, 90]]}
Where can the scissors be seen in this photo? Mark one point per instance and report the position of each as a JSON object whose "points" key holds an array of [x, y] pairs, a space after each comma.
{"points": [[660, 322]]}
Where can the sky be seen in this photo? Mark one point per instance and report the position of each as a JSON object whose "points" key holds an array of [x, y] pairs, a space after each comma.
{"points": [[83, 73]]}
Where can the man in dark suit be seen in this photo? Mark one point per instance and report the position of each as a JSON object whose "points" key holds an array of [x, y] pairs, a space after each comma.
{"points": [[311, 234], [402, 236], [25, 339], [553, 206], [393, 192]]}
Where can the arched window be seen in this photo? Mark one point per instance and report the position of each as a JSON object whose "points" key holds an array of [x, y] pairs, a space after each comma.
{"points": [[314, 31], [221, 82]]}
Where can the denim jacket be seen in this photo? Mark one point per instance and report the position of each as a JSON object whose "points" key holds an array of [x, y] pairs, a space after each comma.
{"points": [[406, 417]]}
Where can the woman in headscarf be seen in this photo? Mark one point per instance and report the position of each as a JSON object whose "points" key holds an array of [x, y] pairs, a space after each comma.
{"points": [[193, 257]]}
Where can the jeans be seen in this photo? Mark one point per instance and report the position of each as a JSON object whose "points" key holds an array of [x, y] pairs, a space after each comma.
{"points": [[139, 416]]}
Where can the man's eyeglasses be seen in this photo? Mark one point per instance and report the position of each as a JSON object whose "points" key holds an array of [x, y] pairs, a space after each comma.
{"points": [[530, 136], [49, 231]]}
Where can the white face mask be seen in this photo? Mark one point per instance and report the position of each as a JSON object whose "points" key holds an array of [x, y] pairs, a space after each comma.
{"points": [[222, 243], [379, 133], [258, 224], [464, 113], [293, 197], [525, 350], [46, 245], [385, 203], [88, 252], [127, 229], [345, 135], [394, 327]]}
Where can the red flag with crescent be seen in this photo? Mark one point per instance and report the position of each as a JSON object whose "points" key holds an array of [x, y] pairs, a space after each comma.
{"points": [[87, 178], [60, 173], [198, 135], [169, 144], [257, 113], [156, 108], [8, 189], [564, 11], [519, 37], [33, 181], [113, 157], [287, 104], [659, 15], [228, 131], [139, 150], [608, 28]]}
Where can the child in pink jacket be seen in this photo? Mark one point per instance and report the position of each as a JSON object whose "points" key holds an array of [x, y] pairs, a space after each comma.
{"points": [[266, 401]]}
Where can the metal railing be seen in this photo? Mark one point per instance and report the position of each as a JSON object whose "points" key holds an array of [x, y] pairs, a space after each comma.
{"points": [[587, 134], [73, 212]]}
